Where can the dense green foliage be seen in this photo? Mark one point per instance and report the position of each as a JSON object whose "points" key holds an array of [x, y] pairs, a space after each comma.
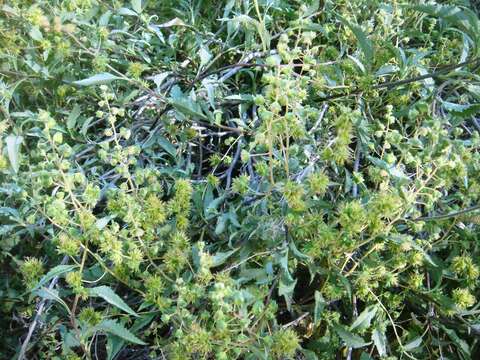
{"points": [[239, 179]]}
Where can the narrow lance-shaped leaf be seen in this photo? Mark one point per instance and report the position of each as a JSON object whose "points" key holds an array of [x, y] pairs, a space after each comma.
{"points": [[98, 79], [364, 319], [351, 340], [56, 271], [13, 150], [109, 296], [114, 328], [380, 341], [319, 306], [364, 42]]}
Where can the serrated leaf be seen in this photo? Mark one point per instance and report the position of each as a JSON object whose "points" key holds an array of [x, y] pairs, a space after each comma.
{"points": [[365, 318], [114, 346], [364, 42], [320, 304], [98, 79], [56, 271], [109, 296], [297, 252], [13, 149], [220, 257], [114, 328], [380, 341], [188, 107], [461, 110], [351, 340], [285, 289], [461, 344]]}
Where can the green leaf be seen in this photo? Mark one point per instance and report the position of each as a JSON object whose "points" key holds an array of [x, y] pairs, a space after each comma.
{"points": [[363, 41], [220, 257], [413, 344], [167, 146], [461, 344], [35, 33], [9, 212], [13, 150], [365, 356], [309, 355], [460, 110], [73, 116], [114, 328], [126, 12], [351, 340], [98, 79], [56, 271], [380, 341], [205, 56], [51, 294], [109, 296], [186, 105], [462, 18], [114, 346], [365, 318], [173, 22], [297, 252], [285, 289], [320, 304], [137, 6], [101, 223], [86, 125]]}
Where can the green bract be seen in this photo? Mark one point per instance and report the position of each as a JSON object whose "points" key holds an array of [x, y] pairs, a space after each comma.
{"points": [[246, 179]]}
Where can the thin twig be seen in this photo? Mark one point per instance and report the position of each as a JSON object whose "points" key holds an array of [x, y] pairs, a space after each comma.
{"points": [[449, 215], [233, 163], [320, 118], [393, 84], [247, 59], [296, 321], [356, 166]]}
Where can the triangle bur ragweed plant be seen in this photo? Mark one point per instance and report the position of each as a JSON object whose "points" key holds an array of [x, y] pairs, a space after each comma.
{"points": [[239, 180]]}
